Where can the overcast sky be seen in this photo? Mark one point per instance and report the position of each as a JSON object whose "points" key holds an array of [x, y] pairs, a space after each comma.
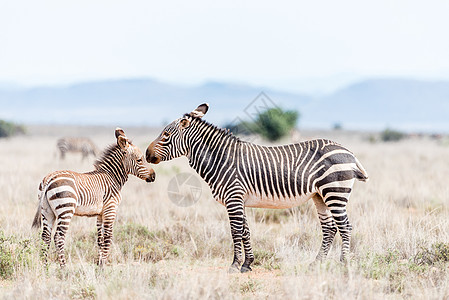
{"points": [[291, 45]]}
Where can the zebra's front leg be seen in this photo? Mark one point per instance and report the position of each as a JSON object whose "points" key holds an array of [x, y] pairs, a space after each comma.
{"points": [[249, 256], [108, 224], [328, 227], [100, 237], [236, 219]]}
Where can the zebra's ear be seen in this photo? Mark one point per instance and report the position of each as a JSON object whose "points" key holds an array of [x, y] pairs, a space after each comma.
{"points": [[200, 111], [122, 142], [118, 132], [184, 123]]}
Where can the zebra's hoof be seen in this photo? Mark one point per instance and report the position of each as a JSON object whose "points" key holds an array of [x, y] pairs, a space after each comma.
{"points": [[344, 260], [233, 270], [101, 263], [245, 269]]}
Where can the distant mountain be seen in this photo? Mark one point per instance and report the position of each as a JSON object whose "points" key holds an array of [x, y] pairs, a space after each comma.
{"points": [[377, 103], [132, 102], [372, 104]]}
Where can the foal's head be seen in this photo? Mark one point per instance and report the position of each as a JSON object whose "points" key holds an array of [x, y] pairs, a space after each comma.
{"points": [[133, 158]]}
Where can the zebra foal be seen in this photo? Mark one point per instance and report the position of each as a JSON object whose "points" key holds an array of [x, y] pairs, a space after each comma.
{"points": [[241, 174], [63, 194]]}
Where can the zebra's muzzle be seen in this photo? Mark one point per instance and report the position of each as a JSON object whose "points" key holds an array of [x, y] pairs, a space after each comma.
{"points": [[151, 178], [150, 156]]}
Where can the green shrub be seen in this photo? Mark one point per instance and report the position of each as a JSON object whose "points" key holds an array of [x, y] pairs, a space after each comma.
{"points": [[390, 265], [389, 135], [337, 126], [9, 129], [266, 259], [14, 254], [136, 240], [275, 123], [437, 253], [272, 124], [250, 286]]}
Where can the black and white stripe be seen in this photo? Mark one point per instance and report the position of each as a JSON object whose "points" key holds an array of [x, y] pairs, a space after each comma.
{"points": [[63, 194], [242, 174]]}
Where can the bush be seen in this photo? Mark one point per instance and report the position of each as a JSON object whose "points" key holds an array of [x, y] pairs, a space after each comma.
{"points": [[389, 135], [10, 129], [266, 259], [14, 254], [337, 126], [437, 253], [275, 123], [145, 245], [272, 124]]}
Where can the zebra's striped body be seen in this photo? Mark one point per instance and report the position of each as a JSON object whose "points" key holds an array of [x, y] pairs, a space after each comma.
{"points": [[242, 174], [63, 194], [82, 145]]}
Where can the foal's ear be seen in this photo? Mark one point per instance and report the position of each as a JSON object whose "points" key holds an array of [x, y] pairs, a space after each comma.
{"points": [[184, 123], [122, 142], [200, 111], [118, 132]]}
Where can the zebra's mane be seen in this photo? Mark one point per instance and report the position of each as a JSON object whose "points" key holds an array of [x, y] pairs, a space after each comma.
{"points": [[110, 151], [223, 131]]}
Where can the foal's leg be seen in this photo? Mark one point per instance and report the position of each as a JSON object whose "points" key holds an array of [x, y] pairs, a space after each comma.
{"points": [[63, 222], [48, 220], [109, 215], [100, 237]]}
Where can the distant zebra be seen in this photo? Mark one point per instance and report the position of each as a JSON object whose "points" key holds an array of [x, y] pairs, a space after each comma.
{"points": [[241, 174], [63, 194], [77, 144]]}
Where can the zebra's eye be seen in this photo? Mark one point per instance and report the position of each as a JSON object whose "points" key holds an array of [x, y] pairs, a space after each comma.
{"points": [[139, 160]]}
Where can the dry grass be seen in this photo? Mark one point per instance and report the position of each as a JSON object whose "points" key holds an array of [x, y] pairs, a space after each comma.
{"points": [[400, 240]]}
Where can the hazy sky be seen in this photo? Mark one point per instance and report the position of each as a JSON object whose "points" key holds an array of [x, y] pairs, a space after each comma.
{"points": [[293, 45]]}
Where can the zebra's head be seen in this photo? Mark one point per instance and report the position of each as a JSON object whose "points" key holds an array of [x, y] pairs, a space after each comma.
{"points": [[175, 139], [133, 158]]}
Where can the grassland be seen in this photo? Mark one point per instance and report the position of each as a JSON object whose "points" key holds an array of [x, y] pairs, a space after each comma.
{"points": [[400, 240]]}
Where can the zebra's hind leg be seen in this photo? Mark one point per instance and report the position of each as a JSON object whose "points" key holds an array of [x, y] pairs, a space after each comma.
{"points": [[249, 256], [328, 227], [48, 220], [338, 211], [62, 226], [344, 228], [236, 218]]}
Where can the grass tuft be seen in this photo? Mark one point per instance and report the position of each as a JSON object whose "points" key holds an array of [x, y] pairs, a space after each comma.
{"points": [[16, 254], [437, 253]]}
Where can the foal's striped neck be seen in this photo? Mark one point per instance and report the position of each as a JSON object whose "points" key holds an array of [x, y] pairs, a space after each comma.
{"points": [[111, 163]]}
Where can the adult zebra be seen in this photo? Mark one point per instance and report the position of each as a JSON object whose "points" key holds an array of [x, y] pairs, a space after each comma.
{"points": [[241, 174], [76, 144], [63, 194]]}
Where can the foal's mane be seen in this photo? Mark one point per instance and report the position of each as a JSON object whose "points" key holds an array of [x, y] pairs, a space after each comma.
{"points": [[110, 151]]}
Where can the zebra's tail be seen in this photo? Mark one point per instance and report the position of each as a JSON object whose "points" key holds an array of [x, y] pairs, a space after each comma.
{"points": [[37, 222], [360, 172]]}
